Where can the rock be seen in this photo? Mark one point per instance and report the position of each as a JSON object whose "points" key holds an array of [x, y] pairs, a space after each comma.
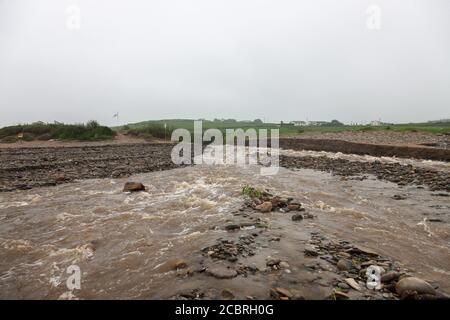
{"points": [[61, 179], [231, 227], [297, 217], [308, 216], [344, 264], [352, 283], [293, 207], [390, 276], [283, 292], [398, 197], [173, 264], [133, 187], [411, 285], [220, 271], [364, 250], [310, 251], [339, 295], [227, 294], [264, 207], [284, 265], [272, 262]]}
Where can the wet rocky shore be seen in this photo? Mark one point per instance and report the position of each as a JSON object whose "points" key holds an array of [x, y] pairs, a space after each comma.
{"points": [[312, 266], [26, 168], [393, 172], [437, 152]]}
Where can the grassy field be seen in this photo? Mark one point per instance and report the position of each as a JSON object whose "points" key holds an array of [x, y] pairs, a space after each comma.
{"points": [[156, 128], [90, 131]]}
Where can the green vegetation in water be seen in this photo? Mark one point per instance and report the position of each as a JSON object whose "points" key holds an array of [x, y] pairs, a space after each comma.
{"points": [[90, 131], [252, 192]]}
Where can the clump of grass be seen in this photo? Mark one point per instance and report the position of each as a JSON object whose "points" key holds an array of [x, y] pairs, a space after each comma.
{"points": [[367, 129], [252, 192], [92, 130]]}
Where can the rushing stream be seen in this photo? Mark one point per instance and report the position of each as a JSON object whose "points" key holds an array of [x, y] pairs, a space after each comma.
{"points": [[120, 240]]}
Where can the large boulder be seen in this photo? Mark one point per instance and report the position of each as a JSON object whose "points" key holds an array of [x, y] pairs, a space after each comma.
{"points": [[411, 285], [133, 187]]}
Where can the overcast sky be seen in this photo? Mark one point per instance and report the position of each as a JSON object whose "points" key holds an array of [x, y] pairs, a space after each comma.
{"points": [[244, 59]]}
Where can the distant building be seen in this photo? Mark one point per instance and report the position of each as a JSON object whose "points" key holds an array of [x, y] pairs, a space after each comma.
{"points": [[317, 123], [299, 123], [376, 123], [308, 123]]}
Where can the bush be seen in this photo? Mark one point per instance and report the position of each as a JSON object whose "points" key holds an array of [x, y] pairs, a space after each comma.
{"points": [[92, 124], [44, 137], [42, 131]]}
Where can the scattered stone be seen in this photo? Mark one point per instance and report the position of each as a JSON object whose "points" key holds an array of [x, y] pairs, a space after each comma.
{"points": [[272, 262], [283, 292], [339, 295], [220, 271], [264, 207], [232, 227], [352, 283], [310, 251], [297, 217], [293, 207], [364, 250], [284, 265], [344, 264], [133, 187], [227, 294], [399, 197], [410, 285], [390, 276]]}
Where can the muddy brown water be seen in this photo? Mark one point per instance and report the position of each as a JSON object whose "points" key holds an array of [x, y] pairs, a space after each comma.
{"points": [[120, 240]]}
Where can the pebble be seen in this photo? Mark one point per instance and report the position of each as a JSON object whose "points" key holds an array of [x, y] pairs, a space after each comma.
{"points": [[264, 207], [220, 271], [227, 294], [283, 292], [272, 262], [344, 264], [390, 276], [297, 217], [352, 283], [133, 187]]}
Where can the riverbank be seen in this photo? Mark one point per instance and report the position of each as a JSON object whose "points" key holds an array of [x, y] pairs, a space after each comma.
{"points": [[26, 168]]}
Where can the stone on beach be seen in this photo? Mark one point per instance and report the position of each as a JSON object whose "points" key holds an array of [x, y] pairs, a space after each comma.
{"points": [[133, 187], [264, 207], [410, 285], [220, 271]]}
